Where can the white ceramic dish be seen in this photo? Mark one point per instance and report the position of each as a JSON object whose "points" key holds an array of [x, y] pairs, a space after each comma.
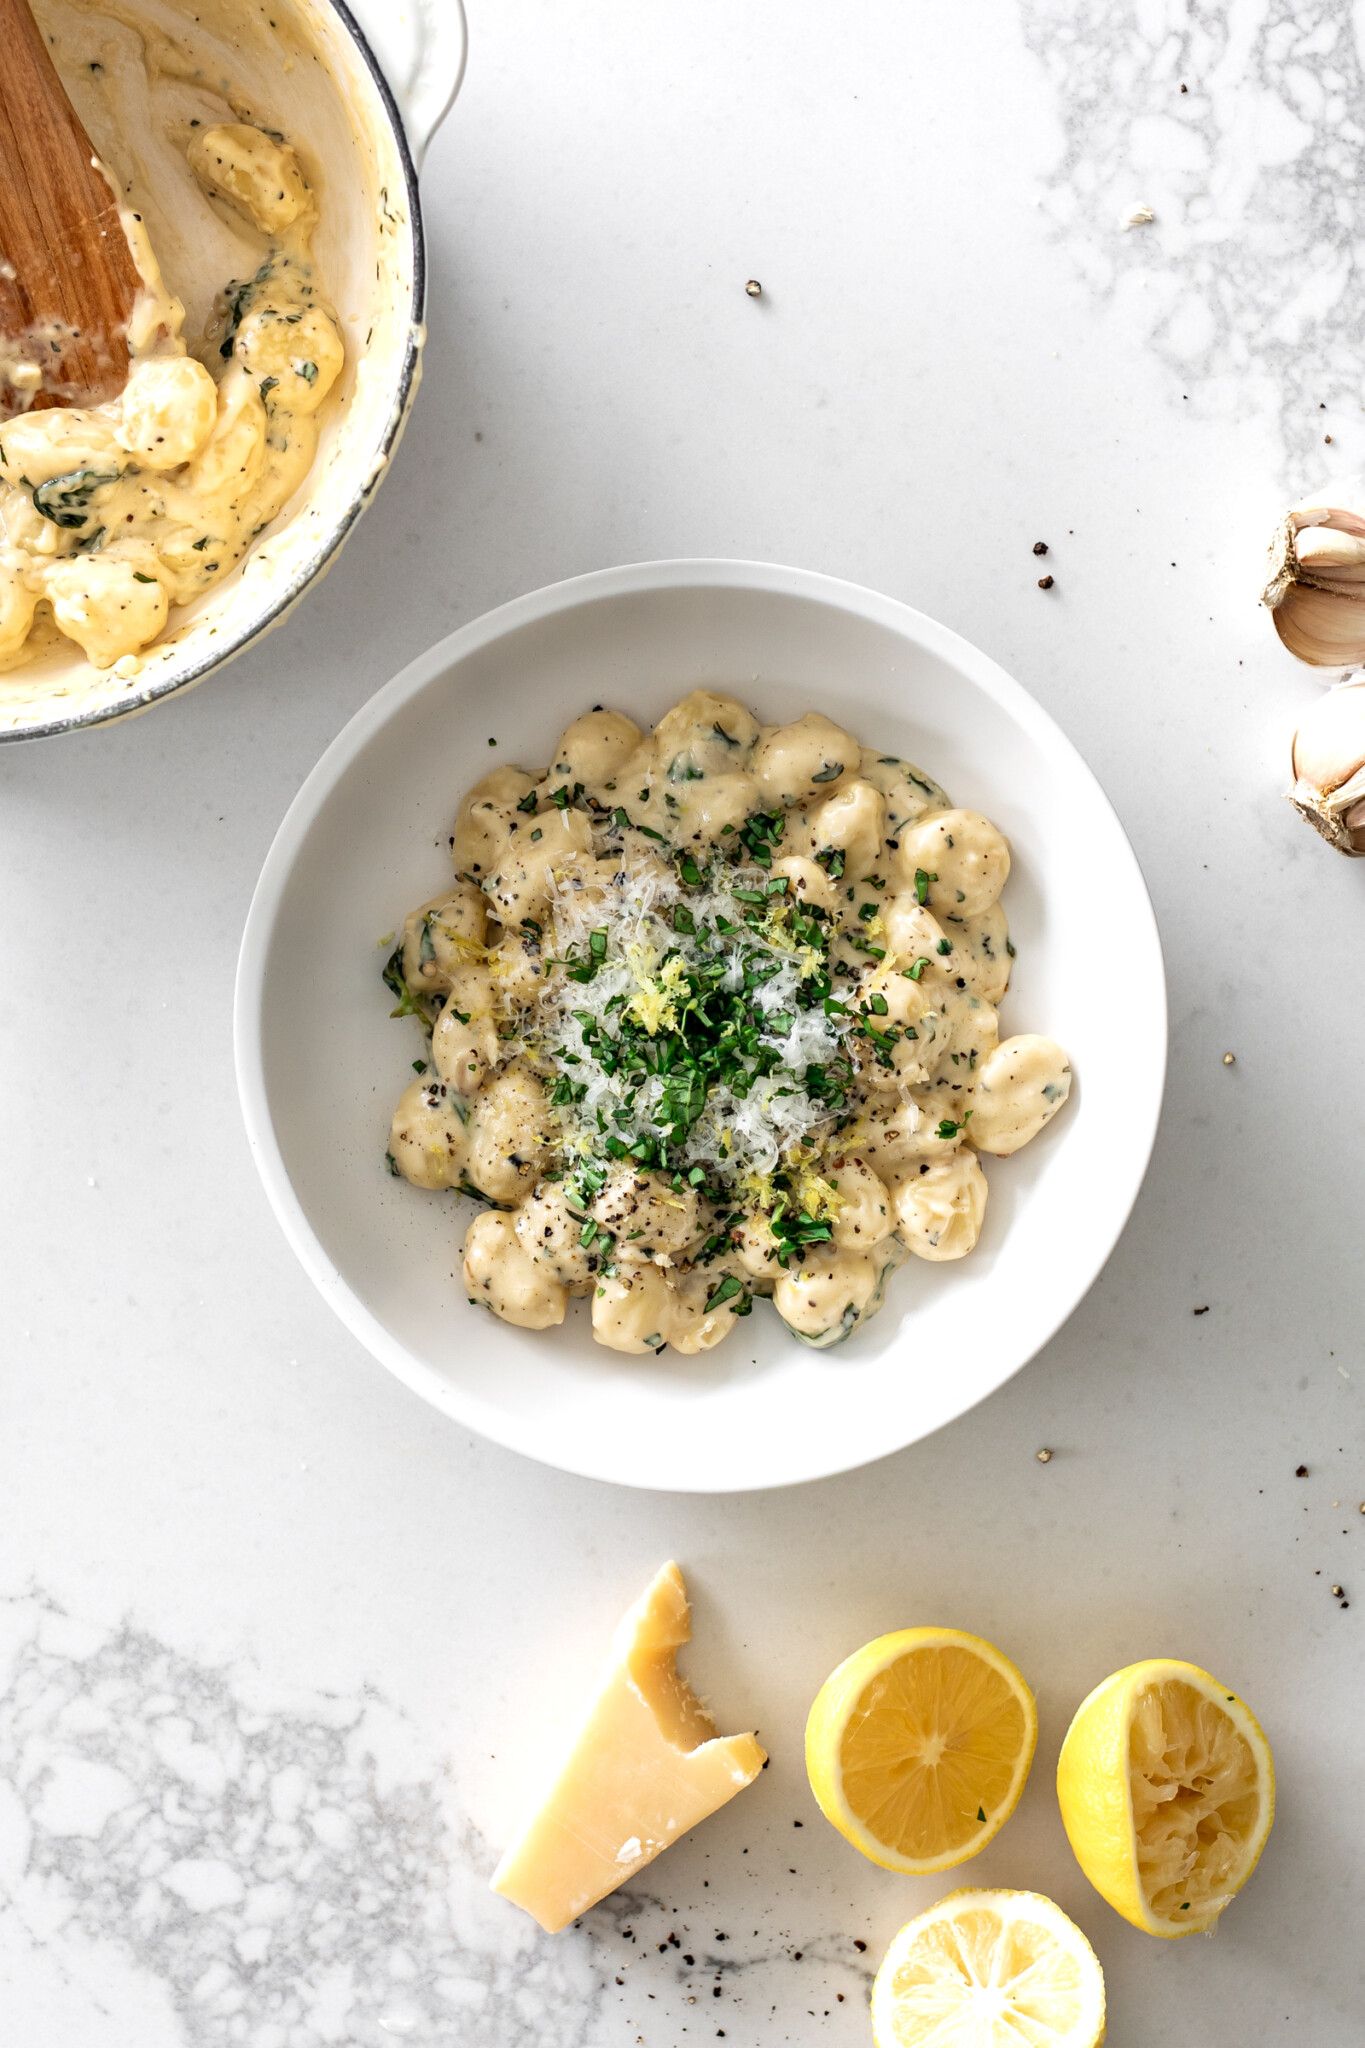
{"points": [[320, 1064]]}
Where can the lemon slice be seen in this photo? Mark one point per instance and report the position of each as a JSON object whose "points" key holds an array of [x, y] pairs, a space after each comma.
{"points": [[989, 1970], [1167, 1791], [918, 1746]]}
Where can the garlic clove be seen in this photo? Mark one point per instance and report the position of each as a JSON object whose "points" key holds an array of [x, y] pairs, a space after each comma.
{"points": [[1316, 588], [1327, 551], [1328, 760], [1324, 627]]}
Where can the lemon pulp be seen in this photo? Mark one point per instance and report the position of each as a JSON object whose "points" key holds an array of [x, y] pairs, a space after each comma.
{"points": [[918, 1746], [1195, 1802], [989, 1969]]}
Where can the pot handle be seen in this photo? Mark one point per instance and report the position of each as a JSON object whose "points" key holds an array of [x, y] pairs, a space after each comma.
{"points": [[421, 48]]}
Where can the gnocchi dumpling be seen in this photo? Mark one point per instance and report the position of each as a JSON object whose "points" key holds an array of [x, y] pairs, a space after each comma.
{"points": [[633, 1310], [966, 860], [508, 1134], [707, 734], [167, 411], [550, 1231], [427, 1138], [852, 823], [1019, 1088], [939, 1208], [592, 749], [443, 937], [258, 175], [501, 1275], [862, 1207], [822, 1300], [811, 757]]}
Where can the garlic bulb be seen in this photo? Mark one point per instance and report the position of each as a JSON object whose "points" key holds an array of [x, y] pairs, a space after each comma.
{"points": [[1329, 766], [1316, 591]]}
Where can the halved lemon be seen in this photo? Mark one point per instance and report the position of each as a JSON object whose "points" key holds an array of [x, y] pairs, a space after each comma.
{"points": [[1167, 1790], [989, 1970], [918, 1746]]}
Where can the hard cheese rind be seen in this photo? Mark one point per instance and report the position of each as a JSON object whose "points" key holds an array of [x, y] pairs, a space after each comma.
{"points": [[646, 1766]]}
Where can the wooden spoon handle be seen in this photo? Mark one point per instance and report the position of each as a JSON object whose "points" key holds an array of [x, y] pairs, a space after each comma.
{"points": [[67, 276]]}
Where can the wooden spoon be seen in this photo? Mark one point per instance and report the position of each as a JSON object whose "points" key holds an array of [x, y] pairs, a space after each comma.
{"points": [[67, 276]]}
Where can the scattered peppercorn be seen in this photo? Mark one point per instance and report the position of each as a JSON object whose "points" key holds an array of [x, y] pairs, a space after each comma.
{"points": [[1040, 547], [754, 288], [1045, 583], [861, 1947], [1300, 1471]]}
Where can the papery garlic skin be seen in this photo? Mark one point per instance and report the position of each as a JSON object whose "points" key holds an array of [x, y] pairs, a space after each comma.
{"points": [[1328, 761], [1316, 589]]}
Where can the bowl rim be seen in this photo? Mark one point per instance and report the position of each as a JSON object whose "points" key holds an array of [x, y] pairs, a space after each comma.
{"points": [[331, 539], [628, 579]]}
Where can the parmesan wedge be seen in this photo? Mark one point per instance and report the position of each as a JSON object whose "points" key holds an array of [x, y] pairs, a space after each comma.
{"points": [[645, 1767]]}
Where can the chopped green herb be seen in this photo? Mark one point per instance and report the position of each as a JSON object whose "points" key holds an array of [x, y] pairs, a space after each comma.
{"points": [[727, 1291], [65, 500]]}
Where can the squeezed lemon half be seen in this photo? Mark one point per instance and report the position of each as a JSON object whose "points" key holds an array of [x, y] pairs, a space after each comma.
{"points": [[1167, 1790], [988, 1969], [918, 1746]]}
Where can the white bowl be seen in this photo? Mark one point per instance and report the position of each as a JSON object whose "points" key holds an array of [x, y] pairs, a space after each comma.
{"points": [[320, 1064]]}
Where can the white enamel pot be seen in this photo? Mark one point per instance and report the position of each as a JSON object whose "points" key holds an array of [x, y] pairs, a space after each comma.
{"points": [[389, 71]]}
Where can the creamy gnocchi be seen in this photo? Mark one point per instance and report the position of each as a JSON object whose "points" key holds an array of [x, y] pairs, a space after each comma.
{"points": [[112, 515], [711, 1013]]}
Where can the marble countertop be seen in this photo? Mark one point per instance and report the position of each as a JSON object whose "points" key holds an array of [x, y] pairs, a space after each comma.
{"points": [[277, 1644]]}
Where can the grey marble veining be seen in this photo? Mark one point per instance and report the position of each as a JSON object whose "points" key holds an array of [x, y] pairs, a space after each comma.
{"points": [[1243, 127], [254, 1859]]}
